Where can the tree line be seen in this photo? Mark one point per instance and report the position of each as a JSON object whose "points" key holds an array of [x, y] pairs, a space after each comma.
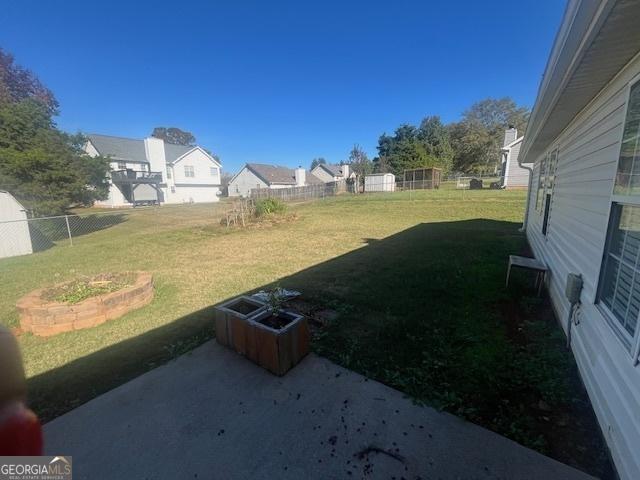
{"points": [[471, 145]]}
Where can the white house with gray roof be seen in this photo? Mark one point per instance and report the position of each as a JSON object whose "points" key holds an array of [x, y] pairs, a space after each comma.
{"points": [[152, 171], [332, 173], [258, 175]]}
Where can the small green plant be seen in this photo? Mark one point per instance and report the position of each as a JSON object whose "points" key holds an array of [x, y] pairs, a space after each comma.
{"points": [[275, 300], [270, 206], [81, 289]]}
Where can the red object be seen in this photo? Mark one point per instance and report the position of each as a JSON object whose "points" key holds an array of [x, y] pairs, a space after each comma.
{"points": [[20, 431]]}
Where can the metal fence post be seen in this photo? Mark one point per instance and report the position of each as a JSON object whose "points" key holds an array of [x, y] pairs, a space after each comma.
{"points": [[66, 219]]}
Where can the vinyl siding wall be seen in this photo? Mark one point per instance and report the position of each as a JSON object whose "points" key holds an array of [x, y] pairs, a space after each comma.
{"points": [[242, 184], [323, 175], [515, 175], [588, 152]]}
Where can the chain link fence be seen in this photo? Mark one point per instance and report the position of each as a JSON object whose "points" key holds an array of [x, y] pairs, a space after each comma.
{"points": [[24, 236]]}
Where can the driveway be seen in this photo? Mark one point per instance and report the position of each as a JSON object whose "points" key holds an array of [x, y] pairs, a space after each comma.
{"points": [[211, 414]]}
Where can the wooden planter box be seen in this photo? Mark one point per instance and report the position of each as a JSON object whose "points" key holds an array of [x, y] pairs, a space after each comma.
{"points": [[231, 317], [277, 350]]}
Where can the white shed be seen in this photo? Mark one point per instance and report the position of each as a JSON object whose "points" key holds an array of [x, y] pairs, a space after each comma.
{"points": [[15, 238], [380, 182]]}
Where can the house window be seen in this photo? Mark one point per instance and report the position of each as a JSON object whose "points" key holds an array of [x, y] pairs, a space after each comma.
{"points": [[541, 182], [188, 171], [122, 165], [619, 288], [169, 173], [213, 171], [550, 181], [173, 189]]}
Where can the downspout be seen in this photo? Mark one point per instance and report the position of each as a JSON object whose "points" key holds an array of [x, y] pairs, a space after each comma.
{"points": [[526, 210]]}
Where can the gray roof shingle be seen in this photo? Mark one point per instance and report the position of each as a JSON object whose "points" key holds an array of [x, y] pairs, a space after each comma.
{"points": [[173, 152], [119, 148], [132, 150], [271, 174], [335, 170]]}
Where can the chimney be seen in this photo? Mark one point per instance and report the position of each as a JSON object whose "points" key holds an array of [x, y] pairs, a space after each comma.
{"points": [[154, 148], [510, 135], [345, 171], [300, 175]]}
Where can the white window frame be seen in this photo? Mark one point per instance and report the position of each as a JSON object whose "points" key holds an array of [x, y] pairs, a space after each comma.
{"points": [[169, 173], [542, 183], [630, 343], [213, 171], [189, 171], [549, 187], [122, 165]]}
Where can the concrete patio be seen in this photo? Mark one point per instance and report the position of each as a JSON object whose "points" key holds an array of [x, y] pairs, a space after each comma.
{"points": [[213, 414]]}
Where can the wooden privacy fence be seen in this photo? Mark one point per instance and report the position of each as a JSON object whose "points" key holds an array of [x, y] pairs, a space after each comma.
{"points": [[308, 192]]}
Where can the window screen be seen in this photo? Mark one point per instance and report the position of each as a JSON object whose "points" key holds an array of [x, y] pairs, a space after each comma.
{"points": [[620, 279], [621, 275], [628, 175], [541, 183]]}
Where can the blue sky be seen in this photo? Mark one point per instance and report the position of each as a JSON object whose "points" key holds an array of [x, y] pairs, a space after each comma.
{"points": [[278, 82]]}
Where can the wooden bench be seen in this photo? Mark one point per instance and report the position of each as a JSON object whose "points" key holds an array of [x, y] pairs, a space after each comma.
{"points": [[530, 264]]}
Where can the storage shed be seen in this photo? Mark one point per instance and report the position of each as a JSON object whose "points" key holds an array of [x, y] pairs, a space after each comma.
{"points": [[15, 238], [380, 182]]}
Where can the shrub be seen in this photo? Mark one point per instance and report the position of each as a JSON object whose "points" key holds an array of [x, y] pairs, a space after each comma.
{"points": [[269, 206]]}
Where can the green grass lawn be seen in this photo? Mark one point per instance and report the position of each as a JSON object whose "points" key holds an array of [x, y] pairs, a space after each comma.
{"points": [[416, 278]]}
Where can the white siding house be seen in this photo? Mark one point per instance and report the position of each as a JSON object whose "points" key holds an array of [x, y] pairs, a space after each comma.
{"points": [[513, 174], [154, 171], [583, 211], [258, 175], [332, 173], [15, 238]]}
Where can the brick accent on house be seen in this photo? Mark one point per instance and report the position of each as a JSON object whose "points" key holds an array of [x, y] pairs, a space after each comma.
{"points": [[45, 318]]}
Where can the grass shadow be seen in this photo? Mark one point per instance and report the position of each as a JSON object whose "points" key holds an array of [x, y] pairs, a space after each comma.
{"points": [[420, 310]]}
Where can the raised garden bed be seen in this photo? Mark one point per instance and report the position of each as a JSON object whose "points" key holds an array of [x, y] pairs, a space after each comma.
{"points": [[231, 315], [83, 303], [276, 340]]}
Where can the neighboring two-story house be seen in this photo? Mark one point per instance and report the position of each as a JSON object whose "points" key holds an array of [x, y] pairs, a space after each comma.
{"points": [[152, 171]]}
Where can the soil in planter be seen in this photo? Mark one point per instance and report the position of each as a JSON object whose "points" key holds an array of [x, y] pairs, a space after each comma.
{"points": [[277, 322], [78, 290], [243, 307]]}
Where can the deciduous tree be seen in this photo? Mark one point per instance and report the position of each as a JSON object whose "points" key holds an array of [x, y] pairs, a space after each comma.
{"points": [[174, 135], [477, 138]]}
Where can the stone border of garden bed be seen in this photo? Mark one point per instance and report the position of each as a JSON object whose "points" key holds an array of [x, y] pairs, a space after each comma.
{"points": [[46, 318]]}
